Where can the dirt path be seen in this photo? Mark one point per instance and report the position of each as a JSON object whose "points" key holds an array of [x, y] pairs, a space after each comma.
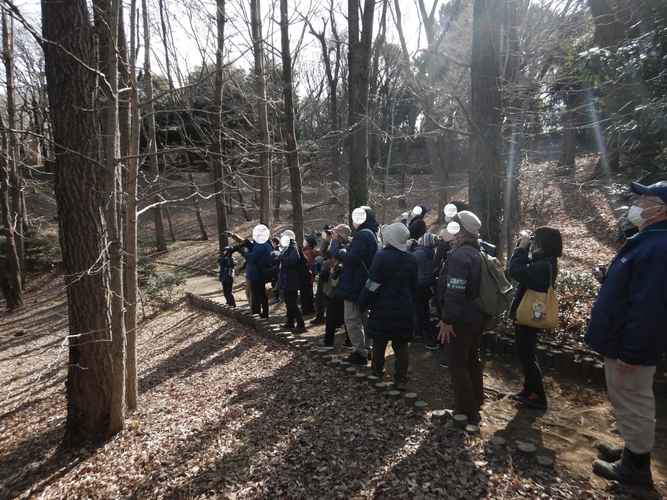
{"points": [[579, 412]]}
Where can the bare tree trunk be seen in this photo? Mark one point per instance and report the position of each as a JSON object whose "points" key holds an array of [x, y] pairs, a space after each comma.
{"points": [[360, 37], [292, 155], [218, 183], [80, 185], [485, 168], [129, 127], [150, 129], [263, 125], [15, 180]]}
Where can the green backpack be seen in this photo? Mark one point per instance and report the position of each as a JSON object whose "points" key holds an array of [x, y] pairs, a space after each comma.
{"points": [[495, 291]]}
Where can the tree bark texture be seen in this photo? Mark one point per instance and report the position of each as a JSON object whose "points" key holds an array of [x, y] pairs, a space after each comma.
{"points": [[485, 163], [359, 54], [262, 116], [291, 154], [80, 195]]}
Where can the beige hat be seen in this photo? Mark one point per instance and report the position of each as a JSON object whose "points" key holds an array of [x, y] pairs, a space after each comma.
{"points": [[470, 223], [343, 230]]}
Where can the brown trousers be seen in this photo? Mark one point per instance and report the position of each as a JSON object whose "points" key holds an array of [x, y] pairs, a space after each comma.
{"points": [[465, 368]]}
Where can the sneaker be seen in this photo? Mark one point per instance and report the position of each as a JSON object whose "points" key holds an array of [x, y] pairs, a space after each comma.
{"points": [[418, 338], [401, 385], [347, 345], [443, 363], [286, 326], [318, 321], [356, 359], [434, 346], [274, 300], [322, 345], [299, 329], [534, 401]]}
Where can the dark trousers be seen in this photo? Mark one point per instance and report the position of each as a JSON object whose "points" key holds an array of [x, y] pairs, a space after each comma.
{"points": [[422, 312], [227, 291], [321, 301], [525, 343], [293, 313], [400, 348], [260, 300], [307, 299], [335, 318], [465, 368]]}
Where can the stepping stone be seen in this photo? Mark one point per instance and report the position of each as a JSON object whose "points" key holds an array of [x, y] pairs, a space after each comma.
{"points": [[459, 421], [394, 395], [312, 352], [380, 387], [497, 442], [344, 365], [410, 398], [472, 430], [334, 363], [360, 377], [322, 352], [527, 449], [420, 405], [305, 346], [351, 370], [372, 380], [441, 415], [326, 358], [545, 462]]}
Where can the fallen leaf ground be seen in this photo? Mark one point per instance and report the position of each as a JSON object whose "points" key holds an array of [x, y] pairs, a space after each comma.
{"points": [[226, 413]]}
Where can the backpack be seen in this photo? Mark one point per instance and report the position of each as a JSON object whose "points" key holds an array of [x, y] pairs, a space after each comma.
{"points": [[304, 268], [495, 291]]}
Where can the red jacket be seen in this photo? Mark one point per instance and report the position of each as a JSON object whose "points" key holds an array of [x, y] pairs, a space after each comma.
{"points": [[311, 253]]}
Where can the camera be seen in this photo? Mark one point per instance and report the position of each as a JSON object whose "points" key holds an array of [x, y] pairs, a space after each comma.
{"points": [[247, 244]]}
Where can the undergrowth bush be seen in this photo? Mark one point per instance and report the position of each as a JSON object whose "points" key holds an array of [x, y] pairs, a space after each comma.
{"points": [[39, 250], [576, 291], [161, 288]]}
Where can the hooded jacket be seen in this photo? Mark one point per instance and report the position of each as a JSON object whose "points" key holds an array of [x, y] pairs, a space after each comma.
{"points": [[392, 316], [629, 319], [357, 259], [288, 278], [459, 282]]}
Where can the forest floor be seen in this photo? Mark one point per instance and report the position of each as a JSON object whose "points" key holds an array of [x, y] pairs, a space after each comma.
{"points": [[226, 413]]}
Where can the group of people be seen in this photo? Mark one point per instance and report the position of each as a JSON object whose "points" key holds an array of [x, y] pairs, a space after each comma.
{"points": [[382, 283]]}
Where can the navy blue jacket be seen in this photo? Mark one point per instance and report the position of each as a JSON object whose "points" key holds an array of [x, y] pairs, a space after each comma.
{"points": [[288, 279], [259, 258], [629, 319], [227, 264], [357, 259], [392, 316], [417, 228], [536, 273], [424, 256]]}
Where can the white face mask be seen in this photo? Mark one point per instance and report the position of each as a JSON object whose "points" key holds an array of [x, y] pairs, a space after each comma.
{"points": [[635, 215]]}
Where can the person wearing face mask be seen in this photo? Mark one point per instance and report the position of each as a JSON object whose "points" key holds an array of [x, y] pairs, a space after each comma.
{"points": [[628, 326], [537, 272], [417, 226], [289, 281]]}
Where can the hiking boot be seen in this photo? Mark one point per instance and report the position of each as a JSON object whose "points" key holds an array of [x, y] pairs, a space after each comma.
{"points": [[443, 363], [356, 359], [534, 401], [299, 329], [347, 344], [632, 468], [318, 321], [322, 345], [401, 385], [609, 452], [433, 346]]}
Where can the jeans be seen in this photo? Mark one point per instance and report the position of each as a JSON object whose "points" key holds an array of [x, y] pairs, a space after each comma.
{"points": [[465, 368], [525, 344], [227, 291], [293, 313], [260, 300], [400, 348]]}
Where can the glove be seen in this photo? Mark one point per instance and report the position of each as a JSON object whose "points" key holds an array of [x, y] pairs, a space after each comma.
{"points": [[276, 253], [405, 216]]}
